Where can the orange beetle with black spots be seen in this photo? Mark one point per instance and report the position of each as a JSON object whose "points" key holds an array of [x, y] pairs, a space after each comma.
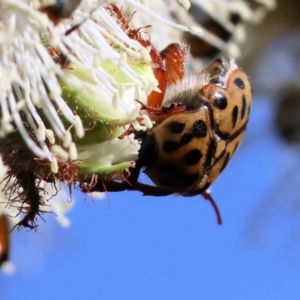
{"points": [[199, 121]]}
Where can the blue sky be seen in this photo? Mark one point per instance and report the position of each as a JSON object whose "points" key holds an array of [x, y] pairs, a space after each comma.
{"points": [[171, 247]]}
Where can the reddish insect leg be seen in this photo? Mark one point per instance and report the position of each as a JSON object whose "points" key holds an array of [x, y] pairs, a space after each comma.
{"points": [[155, 98], [174, 56], [168, 65], [4, 239], [207, 196], [147, 190], [169, 73]]}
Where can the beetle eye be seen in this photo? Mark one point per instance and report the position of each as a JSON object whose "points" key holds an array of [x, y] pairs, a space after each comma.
{"points": [[220, 100]]}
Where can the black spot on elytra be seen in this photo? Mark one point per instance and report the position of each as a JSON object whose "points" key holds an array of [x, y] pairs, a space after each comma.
{"points": [[234, 115], [220, 100], [193, 157], [239, 83], [199, 129], [176, 127], [190, 180], [170, 146], [186, 138], [166, 168], [225, 162], [244, 104]]}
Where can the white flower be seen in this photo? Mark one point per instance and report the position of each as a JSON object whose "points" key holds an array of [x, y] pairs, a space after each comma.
{"points": [[69, 88], [102, 61]]}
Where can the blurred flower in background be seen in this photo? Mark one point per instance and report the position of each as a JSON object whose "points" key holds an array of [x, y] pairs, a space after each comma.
{"points": [[71, 73], [276, 81]]}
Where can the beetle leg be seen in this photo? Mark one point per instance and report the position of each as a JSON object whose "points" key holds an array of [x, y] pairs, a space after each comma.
{"points": [[130, 178], [150, 190], [207, 196], [131, 183], [110, 186]]}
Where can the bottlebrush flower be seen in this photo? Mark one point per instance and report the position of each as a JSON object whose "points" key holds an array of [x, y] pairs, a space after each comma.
{"points": [[69, 90], [69, 93], [73, 75]]}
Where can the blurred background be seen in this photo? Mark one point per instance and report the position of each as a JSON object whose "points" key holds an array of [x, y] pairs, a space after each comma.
{"points": [[126, 246]]}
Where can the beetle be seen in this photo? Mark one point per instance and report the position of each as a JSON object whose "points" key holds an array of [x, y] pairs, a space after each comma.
{"points": [[199, 120]]}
